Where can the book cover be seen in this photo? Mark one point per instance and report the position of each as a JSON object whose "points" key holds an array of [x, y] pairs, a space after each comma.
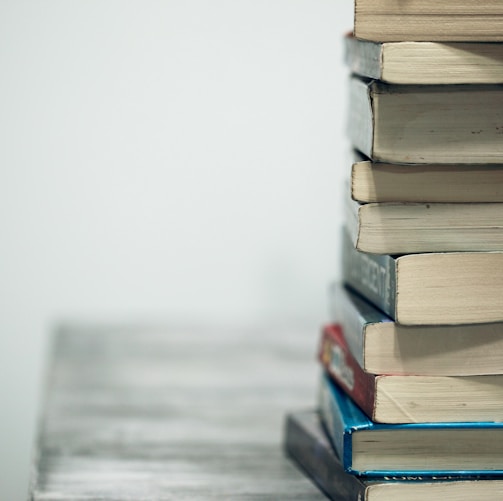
{"points": [[354, 314], [372, 275], [336, 358], [306, 442]]}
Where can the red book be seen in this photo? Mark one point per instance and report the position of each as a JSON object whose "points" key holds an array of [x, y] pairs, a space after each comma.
{"points": [[389, 398], [345, 370]]}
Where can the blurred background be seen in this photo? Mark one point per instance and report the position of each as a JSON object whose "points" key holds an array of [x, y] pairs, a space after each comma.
{"points": [[175, 160]]}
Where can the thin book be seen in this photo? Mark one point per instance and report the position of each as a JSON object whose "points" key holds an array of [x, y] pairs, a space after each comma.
{"points": [[436, 288], [382, 346], [383, 182], [419, 20], [413, 227], [426, 63]]}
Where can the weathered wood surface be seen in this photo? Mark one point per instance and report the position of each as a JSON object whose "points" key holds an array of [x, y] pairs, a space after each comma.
{"points": [[173, 414]]}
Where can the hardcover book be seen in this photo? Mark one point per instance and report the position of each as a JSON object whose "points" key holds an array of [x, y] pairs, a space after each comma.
{"points": [[381, 346], [305, 441], [415, 449], [425, 62], [445, 20], [427, 289], [406, 228], [425, 124], [390, 398]]}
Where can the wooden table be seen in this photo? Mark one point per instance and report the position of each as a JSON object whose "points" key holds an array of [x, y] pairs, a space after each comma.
{"points": [[174, 413]]}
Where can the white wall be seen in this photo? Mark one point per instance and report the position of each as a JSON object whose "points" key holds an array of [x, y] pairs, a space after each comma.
{"points": [[175, 159]]}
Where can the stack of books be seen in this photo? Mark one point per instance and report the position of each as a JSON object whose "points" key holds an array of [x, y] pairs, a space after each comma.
{"points": [[411, 396]]}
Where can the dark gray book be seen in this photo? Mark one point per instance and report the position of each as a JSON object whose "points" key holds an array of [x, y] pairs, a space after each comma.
{"points": [[429, 288]]}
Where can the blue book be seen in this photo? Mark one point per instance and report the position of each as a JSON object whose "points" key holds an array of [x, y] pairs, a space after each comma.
{"points": [[414, 449], [307, 444]]}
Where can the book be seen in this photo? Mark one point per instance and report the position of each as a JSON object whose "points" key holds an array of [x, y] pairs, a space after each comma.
{"points": [[385, 182], [423, 124], [429, 288], [305, 442], [390, 398], [381, 346], [407, 227], [422, 449], [447, 20], [426, 62]]}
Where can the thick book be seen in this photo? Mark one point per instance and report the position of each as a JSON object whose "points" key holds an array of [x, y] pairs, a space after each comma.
{"points": [[381, 346], [425, 62], [406, 227], [430, 288], [429, 20], [422, 449], [423, 124], [385, 182], [391, 398], [305, 441]]}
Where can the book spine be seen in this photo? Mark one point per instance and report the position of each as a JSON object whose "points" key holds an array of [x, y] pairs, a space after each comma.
{"points": [[307, 445], [361, 117], [334, 423], [372, 275], [363, 58], [337, 360], [341, 417], [352, 217], [344, 313]]}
